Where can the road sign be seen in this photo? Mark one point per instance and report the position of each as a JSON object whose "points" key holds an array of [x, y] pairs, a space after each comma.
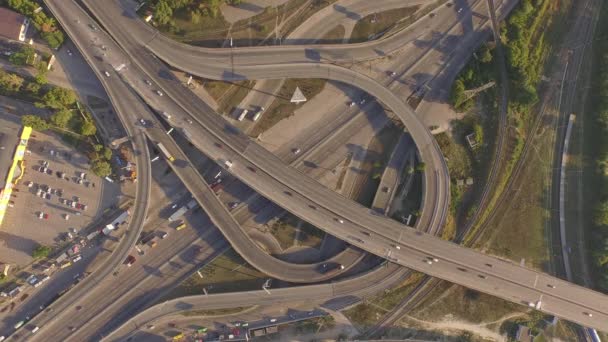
{"points": [[298, 96]]}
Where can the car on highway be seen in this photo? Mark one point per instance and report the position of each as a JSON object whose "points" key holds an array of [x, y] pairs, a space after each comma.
{"points": [[233, 205], [159, 93], [296, 151], [339, 220], [106, 73], [130, 260], [164, 235]]}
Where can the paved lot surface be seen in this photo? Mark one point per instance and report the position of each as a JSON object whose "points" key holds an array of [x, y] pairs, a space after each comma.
{"points": [[22, 230]]}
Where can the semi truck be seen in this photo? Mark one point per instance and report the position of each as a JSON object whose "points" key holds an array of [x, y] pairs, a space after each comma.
{"points": [[165, 152]]}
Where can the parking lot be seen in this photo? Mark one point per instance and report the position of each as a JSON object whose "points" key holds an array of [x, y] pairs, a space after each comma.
{"points": [[56, 196]]}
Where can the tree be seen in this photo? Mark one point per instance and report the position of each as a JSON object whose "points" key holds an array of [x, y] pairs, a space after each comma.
{"points": [[33, 88], [58, 98], [101, 168], [41, 252], [485, 55], [457, 95], [35, 122], [88, 128], [61, 118], [98, 147], [25, 56], [10, 82], [196, 16], [420, 167], [107, 153], [162, 12], [600, 215]]}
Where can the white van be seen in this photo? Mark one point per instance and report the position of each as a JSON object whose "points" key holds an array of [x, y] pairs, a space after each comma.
{"points": [[36, 328]]}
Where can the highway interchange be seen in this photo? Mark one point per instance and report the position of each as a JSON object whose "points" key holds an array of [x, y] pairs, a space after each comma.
{"points": [[297, 193]]}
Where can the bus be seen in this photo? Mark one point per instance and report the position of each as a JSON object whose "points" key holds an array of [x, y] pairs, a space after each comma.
{"points": [[165, 152]]}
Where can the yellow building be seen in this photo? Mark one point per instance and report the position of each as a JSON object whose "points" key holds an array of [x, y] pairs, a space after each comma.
{"points": [[15, 171]]}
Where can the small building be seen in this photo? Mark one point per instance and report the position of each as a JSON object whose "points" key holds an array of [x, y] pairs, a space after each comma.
{"points": [[469, 181], [13, 25], [472, 140], [258, 332]]}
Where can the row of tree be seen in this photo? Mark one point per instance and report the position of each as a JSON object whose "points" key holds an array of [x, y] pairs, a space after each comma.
{"points": [[596, 152], [47, 26], [66, 115], [525, 50]]}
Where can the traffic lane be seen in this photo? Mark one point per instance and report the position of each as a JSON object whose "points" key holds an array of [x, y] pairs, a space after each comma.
{"points": [[232, 230], [137, 298], [140, 210], [151, 64], [248, 56], [149, 272], [371, 282], [39, 297]]}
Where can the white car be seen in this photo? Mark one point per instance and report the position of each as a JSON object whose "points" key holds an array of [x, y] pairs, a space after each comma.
{"points": [[106, 73], [159, 93]]}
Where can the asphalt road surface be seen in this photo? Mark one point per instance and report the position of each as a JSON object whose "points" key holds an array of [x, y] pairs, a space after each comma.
{"points": [[516, 283]]}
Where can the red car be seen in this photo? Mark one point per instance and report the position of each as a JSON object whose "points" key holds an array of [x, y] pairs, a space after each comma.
{"points": [[130, 260]]}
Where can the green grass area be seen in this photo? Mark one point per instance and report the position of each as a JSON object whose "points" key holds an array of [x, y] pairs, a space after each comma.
{"points": [[372, 309], [315, 325], [214, 312], [527, 215], [195, 26], [228, 94], [464, 304], [226, 273], [281, 108], [529, 37], [334, 36], [311, 8], [310, 235], [284, 230], [378, 23]]}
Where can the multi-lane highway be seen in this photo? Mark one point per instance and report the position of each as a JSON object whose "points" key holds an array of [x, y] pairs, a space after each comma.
{"points": [[520, 288], [354, 223], [369, 283], [242, 170]]}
